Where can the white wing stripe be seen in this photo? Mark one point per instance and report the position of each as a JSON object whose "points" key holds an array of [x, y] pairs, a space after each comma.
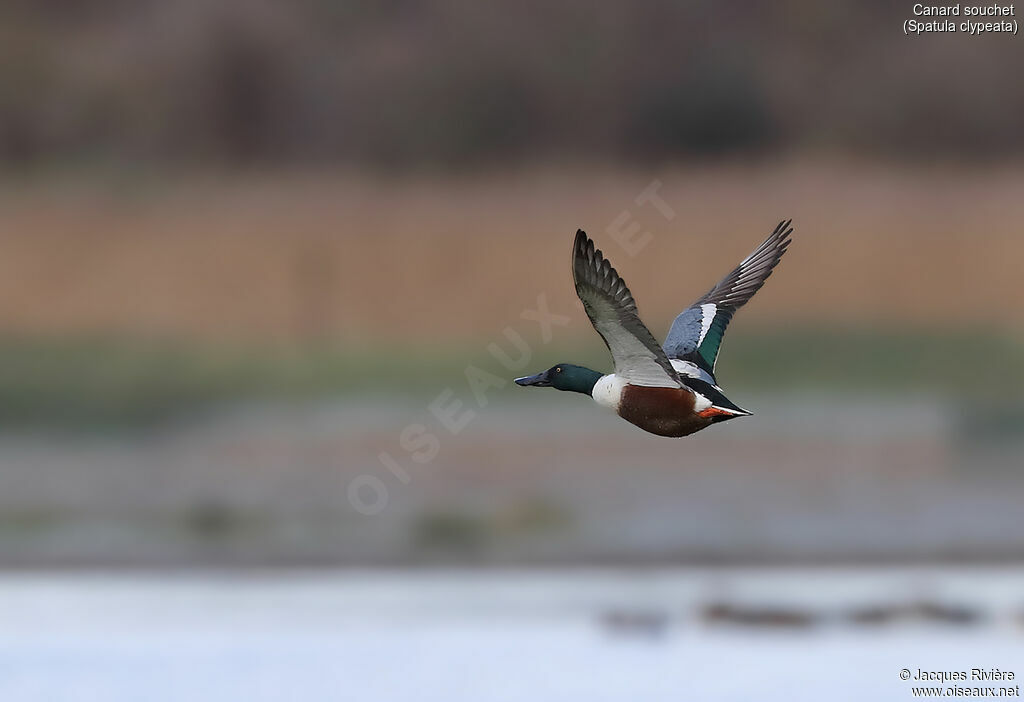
{"points": [[707, 316]]}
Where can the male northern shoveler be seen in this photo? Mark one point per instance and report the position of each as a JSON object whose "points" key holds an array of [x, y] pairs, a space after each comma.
{"points": [[668, 390]]}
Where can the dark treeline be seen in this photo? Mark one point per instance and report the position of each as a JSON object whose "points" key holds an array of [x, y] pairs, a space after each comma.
{"points": [[398, 83]]}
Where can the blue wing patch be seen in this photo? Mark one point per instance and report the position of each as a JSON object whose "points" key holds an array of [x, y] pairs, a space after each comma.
{"points": [[696, 334]]}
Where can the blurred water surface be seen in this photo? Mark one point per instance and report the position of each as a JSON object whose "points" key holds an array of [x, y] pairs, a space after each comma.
{"points": [[537, 480], [500, 635]]}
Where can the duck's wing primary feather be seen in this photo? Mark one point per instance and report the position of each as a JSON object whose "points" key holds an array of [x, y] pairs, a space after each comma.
{"points": [[696, 334], [611, 308]]}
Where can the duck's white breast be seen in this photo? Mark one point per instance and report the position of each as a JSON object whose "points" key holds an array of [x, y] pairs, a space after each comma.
{"points": [[608, 391]]}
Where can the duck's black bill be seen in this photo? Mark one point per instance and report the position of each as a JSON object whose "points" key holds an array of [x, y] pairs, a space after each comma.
{"points": [[538, 381]]}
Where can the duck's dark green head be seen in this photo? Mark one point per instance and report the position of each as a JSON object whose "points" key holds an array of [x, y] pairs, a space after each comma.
{"points": [[564, 376]]}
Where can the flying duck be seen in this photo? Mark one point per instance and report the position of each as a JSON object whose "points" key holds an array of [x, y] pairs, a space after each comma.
{"points": [[668, 390]]}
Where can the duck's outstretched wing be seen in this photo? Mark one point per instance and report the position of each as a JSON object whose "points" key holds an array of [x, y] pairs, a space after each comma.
{"points": [[696, 334], [611, 308]]}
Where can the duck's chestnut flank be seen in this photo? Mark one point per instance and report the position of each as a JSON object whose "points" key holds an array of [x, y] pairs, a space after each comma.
{"points": [[661, 411]]}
